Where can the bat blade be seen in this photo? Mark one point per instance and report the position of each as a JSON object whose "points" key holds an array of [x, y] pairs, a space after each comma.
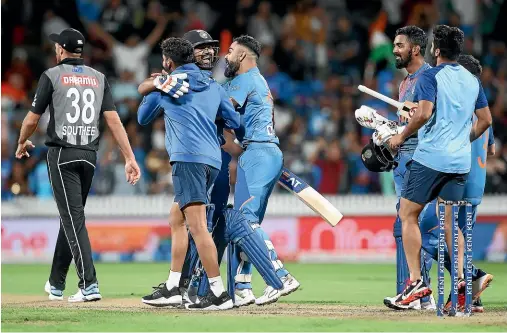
{"points": [[310, 197], [402, 109]]}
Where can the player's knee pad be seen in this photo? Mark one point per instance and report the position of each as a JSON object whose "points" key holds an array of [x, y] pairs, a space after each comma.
{"points": [[238, 265], [280, 269], [253, 247]]}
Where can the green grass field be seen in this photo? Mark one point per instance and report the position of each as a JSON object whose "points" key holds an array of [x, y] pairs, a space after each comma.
{"points": [[333, 297]]}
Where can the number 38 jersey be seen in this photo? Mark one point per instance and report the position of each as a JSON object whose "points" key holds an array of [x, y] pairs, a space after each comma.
{"points": [[76, 95]]}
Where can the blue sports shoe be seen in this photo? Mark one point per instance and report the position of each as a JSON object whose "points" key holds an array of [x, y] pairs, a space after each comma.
{"points": [[90, 294]]}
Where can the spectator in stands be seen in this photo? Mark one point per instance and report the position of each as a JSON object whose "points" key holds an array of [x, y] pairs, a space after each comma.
{"points": [[20, 66], [287, 56], [359, 177], [345, 48], [328, 158], [14, 88], [131, 56], [264, 25], [115, 17], [38, 178], [53, 24], [17, 183], [244, 10], [309, 103], [6, 167]]}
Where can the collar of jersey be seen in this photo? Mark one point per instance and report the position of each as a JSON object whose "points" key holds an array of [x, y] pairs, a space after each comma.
{"points": [[423, 67], [253, 69], [72, 61]]}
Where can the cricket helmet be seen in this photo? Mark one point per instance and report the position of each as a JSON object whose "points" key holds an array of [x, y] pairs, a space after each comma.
{"points": [[377, 158], [200, 39]]}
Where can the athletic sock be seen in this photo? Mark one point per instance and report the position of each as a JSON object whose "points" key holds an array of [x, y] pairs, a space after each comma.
{"points": [[216, 285], [173, 280]]}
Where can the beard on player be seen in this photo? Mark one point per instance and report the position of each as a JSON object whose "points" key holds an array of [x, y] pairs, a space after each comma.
{"points": [[231, 67], [403, 61]]}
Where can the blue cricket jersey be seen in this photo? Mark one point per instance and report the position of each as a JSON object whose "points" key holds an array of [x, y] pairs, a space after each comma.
{"points": [[406, 94], [444, 141], [255, 103], [474, 187], [191, 133]]}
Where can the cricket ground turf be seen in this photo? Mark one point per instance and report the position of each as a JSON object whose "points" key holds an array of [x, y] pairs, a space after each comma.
{"points": [[332, 297]]}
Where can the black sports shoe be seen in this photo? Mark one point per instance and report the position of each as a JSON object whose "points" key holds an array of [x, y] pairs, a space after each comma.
{"points": [[210, 302], [161, 296]]}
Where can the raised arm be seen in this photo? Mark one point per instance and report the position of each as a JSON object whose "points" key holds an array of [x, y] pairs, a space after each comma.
{"points": [[157, 32], [102, 34]]}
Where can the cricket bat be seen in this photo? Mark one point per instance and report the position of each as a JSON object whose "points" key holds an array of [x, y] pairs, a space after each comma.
{"points": [[405, 109], [310, 197]]}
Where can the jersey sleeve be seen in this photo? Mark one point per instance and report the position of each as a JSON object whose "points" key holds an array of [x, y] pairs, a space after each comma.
{"points": [[149, 108], [491, 136], [227, 112], [43, 94], [239, 89], [482, 101], [107, 101], [426, 88]]}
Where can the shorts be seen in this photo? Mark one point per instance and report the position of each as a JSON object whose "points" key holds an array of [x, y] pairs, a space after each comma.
{"points": [[423, 184], [193, 183]]}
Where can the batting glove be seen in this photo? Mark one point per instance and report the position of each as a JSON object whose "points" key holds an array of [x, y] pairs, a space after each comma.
{"points": [[385, 132], [173, 85], [369, 118]]}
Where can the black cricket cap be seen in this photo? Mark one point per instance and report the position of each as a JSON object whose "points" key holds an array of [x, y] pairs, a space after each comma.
{"points": [[199, 37], [70, 39]]}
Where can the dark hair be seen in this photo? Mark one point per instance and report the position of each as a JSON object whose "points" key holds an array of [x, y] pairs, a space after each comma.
{"points": [[179, 50], [471, 64], [449, 40], [415, 35], [250, 43]]}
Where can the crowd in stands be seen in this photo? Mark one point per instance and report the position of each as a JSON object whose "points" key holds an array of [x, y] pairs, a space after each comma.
{"points": [[315, 53]]}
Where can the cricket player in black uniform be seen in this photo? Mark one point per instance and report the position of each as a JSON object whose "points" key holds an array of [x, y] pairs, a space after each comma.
{"points": [[78, 99]]}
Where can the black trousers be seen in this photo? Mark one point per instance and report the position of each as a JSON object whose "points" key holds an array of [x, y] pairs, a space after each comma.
{"points": [[71, 173]]}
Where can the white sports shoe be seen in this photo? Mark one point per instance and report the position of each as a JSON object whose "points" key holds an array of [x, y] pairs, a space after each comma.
{"points": [[290, 285], [270, 295], [243, 297], [54, 294], [430, 305], [89, 294]]}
